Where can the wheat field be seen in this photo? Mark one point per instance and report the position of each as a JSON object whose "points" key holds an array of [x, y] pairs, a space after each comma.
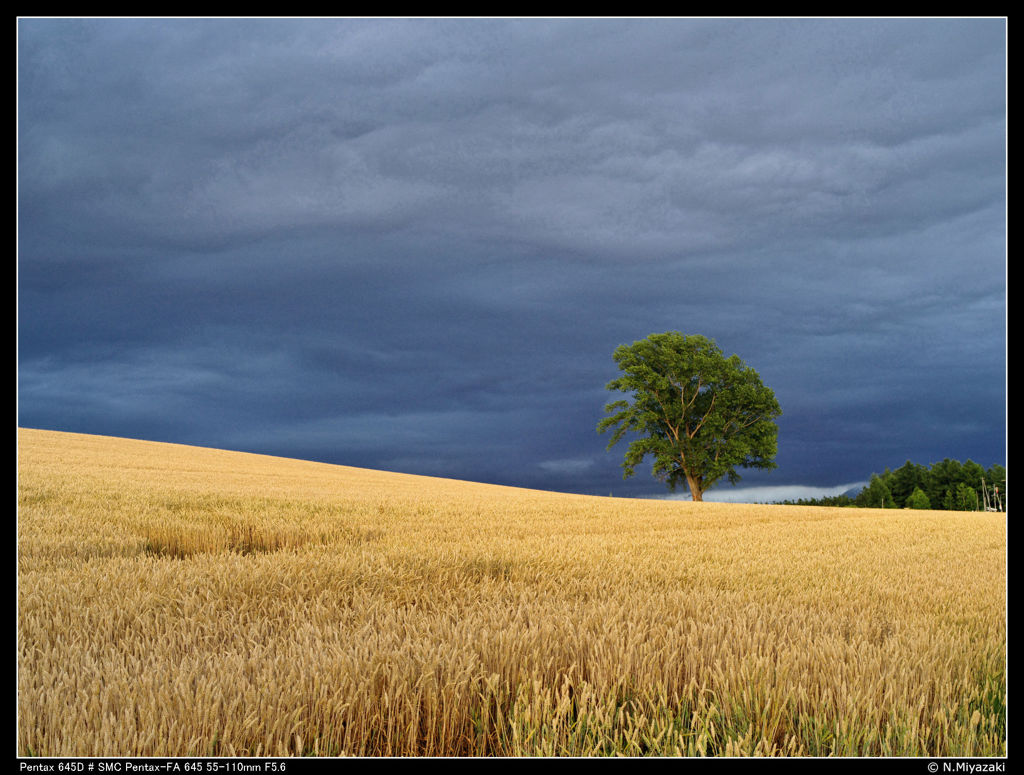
{"points": [[182, 601]]}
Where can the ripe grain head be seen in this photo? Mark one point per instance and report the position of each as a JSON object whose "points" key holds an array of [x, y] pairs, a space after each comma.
{"points": [[184, 601]]}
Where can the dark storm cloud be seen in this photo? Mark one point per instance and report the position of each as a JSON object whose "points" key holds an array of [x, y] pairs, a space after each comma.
{"points": [[415, 244]]}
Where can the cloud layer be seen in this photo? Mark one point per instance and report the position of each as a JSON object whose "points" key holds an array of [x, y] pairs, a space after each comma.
{"points": [[415, 244]]}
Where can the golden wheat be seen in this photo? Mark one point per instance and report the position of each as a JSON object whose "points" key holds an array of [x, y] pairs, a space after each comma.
{"points": [[179, 601]]}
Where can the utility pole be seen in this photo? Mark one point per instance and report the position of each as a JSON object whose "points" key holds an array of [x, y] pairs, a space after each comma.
{"points": [[993, 502]]}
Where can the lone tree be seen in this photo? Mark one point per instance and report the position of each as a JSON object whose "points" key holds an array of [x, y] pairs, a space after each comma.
{"points": [[697, 412]]}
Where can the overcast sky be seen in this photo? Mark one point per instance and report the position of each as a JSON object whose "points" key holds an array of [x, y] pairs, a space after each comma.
{"points": [[414, 245]]}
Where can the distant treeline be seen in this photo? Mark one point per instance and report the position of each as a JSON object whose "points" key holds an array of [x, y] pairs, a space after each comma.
{"points": [[949, 485]]}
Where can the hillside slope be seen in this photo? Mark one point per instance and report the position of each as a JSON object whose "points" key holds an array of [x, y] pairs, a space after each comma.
{"points": [[177, 600]]}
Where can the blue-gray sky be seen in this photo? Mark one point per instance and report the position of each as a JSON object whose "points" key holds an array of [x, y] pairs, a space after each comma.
{"points": [[414, 244]]}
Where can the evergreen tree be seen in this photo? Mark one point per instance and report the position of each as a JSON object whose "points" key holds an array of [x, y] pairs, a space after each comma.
{"points": [[905, 479], [918, 500], [876, 495], [945, 477], [962, 497]]}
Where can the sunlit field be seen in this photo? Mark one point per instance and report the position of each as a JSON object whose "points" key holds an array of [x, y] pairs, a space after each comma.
{"points": [[179, 601]]}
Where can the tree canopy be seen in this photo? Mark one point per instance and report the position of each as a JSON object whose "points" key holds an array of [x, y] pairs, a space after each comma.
{"points": [[947, 484], [698, 413], [877, 494], [918, 500]]}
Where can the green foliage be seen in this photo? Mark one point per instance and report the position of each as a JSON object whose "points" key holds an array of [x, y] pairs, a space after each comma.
{"points": [[918, 500], [948, 484], [995, 480], [906, 479], [876, 495], [962, 497], [843, 501], [699, 414], [943, 476]]}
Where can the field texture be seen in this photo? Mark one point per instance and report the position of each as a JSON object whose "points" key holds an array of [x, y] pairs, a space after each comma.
{"points": [[182, 601]]}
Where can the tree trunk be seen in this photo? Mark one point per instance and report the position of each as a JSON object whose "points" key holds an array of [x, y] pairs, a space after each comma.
{"points": [[696, 491]]}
